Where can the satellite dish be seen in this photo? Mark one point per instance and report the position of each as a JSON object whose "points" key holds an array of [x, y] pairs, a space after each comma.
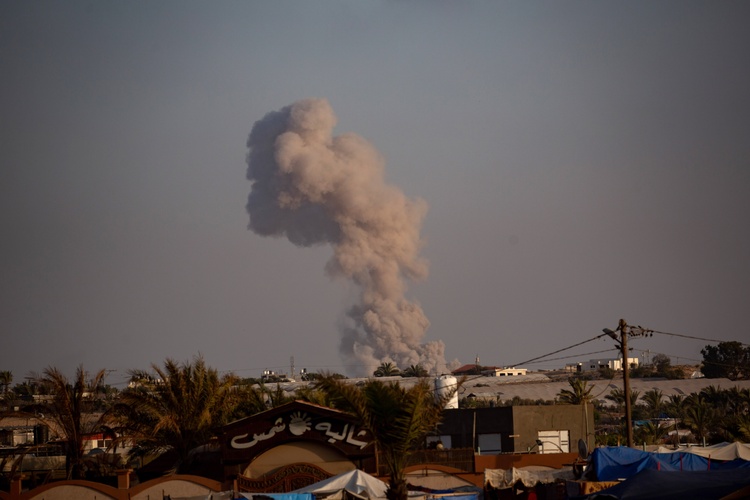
{"points": [[583, 449]]}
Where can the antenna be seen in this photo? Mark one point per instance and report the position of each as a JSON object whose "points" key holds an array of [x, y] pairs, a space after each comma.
{"points": [[291, 363]]}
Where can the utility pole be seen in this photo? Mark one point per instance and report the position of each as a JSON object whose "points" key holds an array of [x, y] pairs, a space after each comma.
{"points": [[626, 331], [623, 328]]}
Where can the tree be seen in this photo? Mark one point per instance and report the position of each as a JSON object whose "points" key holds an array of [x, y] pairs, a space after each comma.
{"points": [[675, 406], [727, 360], [6, 378], [397, 418], [699, 417], [71, 408], [174, 409], [415, 371], [651, 433], [578, 393], [386, 369], [617, 396], [662, 363], [653, 401]]}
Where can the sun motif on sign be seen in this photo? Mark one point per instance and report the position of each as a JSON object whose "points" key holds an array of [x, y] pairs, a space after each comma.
{"points": [[299, 423]]}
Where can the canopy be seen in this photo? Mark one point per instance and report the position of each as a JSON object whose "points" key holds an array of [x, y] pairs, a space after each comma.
{"points": [[615, 463], [659, 485], [529, 476], [355, 481], [721, 451]]}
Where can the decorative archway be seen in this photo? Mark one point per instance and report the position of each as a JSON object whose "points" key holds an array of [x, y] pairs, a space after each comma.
{"points": [[288, 478], [327, 458]]}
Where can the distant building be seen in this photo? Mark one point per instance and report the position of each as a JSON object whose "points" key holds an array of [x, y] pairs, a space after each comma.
{"points": [[503, 372], [489, 371], [514, 429], [612, 363], [471, 369]]}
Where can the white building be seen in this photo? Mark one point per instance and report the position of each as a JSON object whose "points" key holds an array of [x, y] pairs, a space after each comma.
{"points": [[504, 372], [612, 363]]}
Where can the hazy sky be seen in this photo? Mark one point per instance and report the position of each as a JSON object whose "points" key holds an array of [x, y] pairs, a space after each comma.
{"points": [[581, 162]]}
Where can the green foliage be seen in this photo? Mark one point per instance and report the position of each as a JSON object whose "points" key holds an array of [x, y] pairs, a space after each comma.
{"points": [[6, 378], [387, 369], [652, 400], [606, 372], [578, 393], [398, 419], [175, 408], [727, 360], [650, 433], [617, 396], [415, 371], [72, 408]]}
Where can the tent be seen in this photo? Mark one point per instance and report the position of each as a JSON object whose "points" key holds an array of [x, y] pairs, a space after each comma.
{"points": [[616, 463], [659, 485], [355, 482], [529, 476], [721, 451]]}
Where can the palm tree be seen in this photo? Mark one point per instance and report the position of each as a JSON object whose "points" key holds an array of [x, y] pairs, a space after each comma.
{"points": [[653, 401], [386, 369], [578, 393], [175, 409], [617, 396], [699, 417], [415, 371], [743, 427], [738, 401], [71, 408], [651, 433], [397, 418], [6, 377], [674, 405]]}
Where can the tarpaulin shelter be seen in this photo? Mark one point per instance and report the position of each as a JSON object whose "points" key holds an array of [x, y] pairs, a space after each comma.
{"points": [[721, 451], [528, 476], [651, 484], [616, 463], [355, 482]]}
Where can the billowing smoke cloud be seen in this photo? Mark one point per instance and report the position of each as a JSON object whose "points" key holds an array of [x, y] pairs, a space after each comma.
{"points": [[315, 188]]}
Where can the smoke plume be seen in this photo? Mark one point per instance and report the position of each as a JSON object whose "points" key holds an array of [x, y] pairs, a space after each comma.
{"points": [[315, 188]]}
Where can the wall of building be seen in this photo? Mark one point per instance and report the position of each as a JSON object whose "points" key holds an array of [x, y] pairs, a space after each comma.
{"points": [[528, 420], [175, 486], [466, 425]]}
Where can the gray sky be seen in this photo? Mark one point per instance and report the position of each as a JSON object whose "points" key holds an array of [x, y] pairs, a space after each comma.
{"points": [[581, 161]]}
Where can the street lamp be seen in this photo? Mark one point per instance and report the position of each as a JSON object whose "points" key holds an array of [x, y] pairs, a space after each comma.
{"points": [[625, 332], [540, 444]]}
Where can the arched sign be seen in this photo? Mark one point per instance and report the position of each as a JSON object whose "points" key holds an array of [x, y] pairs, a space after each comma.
{"points": [[245, 439]]}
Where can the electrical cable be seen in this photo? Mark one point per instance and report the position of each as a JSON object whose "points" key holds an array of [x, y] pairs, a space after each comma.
{"points": [[693, 338]]}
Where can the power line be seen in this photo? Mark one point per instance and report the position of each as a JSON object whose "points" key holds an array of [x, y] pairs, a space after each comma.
{"points": [[560, 350], [574, 356], [693, 338]]}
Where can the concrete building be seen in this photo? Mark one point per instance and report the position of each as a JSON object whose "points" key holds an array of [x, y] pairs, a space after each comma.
{"points": [[504, 372], [516, 429], [611, 363]]}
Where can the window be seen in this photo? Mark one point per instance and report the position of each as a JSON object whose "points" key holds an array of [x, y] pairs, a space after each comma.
{"points": [[445, 439], [555, 441], [490, 444]]}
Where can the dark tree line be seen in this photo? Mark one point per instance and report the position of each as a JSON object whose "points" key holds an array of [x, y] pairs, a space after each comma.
{"points": [[726, 360]]}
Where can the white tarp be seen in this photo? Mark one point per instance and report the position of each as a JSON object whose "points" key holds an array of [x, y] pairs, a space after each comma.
{"points": [[721, 451], [355, 481], [529, 476]]}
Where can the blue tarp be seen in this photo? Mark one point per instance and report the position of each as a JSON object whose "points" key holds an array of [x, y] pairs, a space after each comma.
{"points": [[659, 485], [281, 496], [613, 463]]}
